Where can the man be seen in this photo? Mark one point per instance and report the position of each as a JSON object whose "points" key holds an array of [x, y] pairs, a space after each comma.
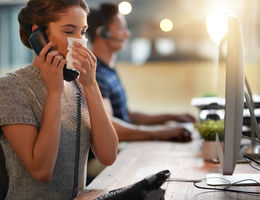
{"points": [[108, 33]]}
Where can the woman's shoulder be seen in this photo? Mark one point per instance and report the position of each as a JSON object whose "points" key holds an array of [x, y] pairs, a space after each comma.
{"points": [[10, 90], [13, 80], [8, 80], [26, 72]]}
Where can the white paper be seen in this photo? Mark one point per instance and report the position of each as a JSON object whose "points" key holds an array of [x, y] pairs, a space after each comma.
{"points": [[69, 57]]}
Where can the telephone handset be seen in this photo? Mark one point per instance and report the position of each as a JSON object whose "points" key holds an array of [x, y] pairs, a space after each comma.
{"points": [[38, 40]]}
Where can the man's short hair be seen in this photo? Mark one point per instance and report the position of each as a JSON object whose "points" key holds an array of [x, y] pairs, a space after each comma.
{"points": [[103, 16]]}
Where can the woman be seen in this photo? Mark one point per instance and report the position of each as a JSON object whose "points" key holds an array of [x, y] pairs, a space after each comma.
{"points": [[39, 115]]}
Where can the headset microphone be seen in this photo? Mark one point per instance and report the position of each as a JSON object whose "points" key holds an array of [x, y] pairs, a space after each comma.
{"points": [[115, 39], [103, 32]]}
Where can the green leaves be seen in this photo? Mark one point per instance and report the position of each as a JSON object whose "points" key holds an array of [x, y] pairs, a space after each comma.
{"points": [[209, 128]]}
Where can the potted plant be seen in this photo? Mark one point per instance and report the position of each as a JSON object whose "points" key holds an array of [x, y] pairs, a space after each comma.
{"points": [[208, 130]]}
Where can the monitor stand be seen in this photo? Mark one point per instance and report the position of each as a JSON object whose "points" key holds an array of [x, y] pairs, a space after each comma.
{"points": [[236, 179], [217, 179]]}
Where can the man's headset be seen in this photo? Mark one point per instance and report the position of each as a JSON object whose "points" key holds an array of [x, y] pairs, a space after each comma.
{"points": [[103, 32]]}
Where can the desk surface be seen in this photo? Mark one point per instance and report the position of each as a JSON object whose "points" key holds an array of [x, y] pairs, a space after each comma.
{"points": [[139, 159]]}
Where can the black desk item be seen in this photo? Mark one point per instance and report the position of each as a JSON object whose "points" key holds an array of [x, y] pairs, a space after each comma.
{"points": [[146, 189]]}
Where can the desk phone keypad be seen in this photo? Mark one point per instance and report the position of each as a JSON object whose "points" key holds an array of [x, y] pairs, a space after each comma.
{"points": [[113, 193]]}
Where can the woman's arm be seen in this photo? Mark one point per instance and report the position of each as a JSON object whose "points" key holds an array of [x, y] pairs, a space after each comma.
{"points": [[104, 137], [38, 151]]}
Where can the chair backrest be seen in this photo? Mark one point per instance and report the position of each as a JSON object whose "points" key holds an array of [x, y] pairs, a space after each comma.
{"points": [[3, 174]]}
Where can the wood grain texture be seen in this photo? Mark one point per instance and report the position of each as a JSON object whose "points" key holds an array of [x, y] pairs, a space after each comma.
{"points": [[139, 159]]}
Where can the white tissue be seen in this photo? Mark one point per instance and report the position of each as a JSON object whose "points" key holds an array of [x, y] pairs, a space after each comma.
{"points": [[69, 57]]}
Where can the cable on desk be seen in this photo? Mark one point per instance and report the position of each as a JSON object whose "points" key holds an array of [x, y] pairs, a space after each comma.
{"points": [[225, 189], [196, 181], [250, 138], [250, 160], [184, 180], [254, 166]]}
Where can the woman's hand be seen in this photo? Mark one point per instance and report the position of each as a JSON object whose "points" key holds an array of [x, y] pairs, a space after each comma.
{"points": [[51, 67], [88, 61]]}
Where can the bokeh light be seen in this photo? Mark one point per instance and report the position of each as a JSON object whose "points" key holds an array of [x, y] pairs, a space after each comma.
{"points": [[125, 8], [166, 25]]}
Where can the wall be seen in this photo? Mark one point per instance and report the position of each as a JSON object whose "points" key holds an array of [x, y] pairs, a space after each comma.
{"points": [[169, 87]]}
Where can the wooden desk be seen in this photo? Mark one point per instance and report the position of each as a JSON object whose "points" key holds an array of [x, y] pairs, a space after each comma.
{"points": [[139, 159]]}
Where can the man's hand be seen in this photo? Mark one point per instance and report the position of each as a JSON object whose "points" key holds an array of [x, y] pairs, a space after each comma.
{"points": [[171, 131]]}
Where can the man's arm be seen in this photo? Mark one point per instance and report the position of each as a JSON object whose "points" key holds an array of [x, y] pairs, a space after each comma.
{"points": [[131, 132], [149, 119], [139, 118]]}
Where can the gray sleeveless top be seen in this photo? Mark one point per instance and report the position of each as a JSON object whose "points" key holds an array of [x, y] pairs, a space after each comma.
{"points": [[22, 97]]}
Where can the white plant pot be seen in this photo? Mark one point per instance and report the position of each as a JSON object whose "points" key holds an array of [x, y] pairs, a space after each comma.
{"points": [[209, 150]]}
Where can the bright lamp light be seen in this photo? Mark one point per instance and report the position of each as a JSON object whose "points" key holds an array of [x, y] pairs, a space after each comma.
{"points": [[166, 25], [125, 8], [217, 26]]}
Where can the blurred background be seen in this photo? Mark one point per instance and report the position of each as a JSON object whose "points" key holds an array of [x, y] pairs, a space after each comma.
{"points": [[172, 55]]}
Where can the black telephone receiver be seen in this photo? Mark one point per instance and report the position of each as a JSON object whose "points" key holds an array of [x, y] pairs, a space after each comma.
{"points": [[38, 40]]}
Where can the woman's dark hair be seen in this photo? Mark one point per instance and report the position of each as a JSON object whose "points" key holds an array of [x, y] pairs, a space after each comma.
{"points": [[100, 17], [41, 13]]}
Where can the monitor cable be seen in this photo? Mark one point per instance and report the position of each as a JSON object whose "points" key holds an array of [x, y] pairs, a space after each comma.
{"points": [[250, 138], [225, 189], [252, 160]]}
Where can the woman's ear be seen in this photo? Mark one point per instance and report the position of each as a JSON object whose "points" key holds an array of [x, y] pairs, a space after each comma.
{"points": [[34, 27]]}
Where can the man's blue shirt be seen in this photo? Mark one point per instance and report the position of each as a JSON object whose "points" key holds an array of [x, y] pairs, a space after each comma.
{"points": [[112, 88]]}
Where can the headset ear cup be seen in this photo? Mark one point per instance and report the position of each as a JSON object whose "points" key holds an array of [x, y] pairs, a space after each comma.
{"points": [[104, 33]]}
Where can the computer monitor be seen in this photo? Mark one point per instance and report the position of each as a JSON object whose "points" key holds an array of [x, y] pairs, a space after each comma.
{"points": [[234, 106], [234, 97]]}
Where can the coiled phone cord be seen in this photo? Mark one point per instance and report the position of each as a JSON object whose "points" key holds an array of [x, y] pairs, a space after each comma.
{"points": [[77, 145]]}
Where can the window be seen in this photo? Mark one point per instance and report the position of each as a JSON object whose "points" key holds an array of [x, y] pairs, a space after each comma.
{"points": [[13, 54]]}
